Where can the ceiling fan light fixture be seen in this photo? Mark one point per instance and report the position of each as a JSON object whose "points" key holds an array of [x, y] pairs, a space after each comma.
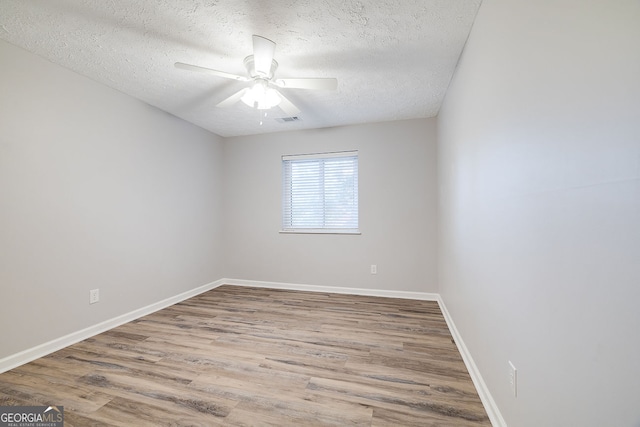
{"points": [[261, 96]]}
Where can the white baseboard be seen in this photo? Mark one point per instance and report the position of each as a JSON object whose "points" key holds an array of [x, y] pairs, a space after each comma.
{"points": [[26, 356], [485, 396], [335, 290]]}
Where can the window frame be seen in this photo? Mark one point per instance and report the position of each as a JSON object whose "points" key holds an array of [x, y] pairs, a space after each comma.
{"points": [[287, 194]]}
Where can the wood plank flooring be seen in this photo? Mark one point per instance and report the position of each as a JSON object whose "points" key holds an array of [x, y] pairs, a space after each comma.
{"points": [[240, 356]]}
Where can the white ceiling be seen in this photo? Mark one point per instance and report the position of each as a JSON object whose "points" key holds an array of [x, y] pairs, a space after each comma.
{"points": [[393, 59]]}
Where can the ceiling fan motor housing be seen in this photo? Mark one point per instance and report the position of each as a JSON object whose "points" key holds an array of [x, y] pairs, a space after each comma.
{"points": [[249, 63]]}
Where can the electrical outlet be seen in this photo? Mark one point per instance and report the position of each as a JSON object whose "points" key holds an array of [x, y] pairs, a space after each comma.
{"points": [[513, 379], [374, 269], [94, 296]]}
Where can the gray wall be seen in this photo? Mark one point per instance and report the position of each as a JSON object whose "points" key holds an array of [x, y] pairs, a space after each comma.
{"points": [[539, 168], [397, 180], [97, 190]]}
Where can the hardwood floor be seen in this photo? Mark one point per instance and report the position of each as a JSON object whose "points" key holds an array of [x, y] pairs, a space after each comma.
{"points": [[239, 356]]}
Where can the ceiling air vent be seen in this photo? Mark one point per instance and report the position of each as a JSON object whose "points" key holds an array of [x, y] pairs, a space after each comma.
{"points": [[289, 119]]}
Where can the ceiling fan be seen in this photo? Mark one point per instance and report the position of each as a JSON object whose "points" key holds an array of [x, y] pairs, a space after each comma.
{"points": [[263, 92]]}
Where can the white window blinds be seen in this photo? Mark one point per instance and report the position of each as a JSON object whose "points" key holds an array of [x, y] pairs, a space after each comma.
{"points": [[320, 192]]}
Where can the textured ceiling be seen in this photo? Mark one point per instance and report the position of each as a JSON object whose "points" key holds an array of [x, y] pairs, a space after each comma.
{"points": [[393, 59]]}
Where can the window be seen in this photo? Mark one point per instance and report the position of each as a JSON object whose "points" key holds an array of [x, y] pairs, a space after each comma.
{"points": [[320, 193]]}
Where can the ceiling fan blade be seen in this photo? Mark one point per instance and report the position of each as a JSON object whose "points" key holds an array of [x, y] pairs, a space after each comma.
{"points": [[287, 106], [263, 50], [319, 83], [232, 99], [210, 71]]}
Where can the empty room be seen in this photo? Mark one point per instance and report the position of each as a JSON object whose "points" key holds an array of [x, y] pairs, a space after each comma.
{"points": [[296, 213]]}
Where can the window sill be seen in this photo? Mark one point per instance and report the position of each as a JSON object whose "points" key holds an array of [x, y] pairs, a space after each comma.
{"points": [[320, 231]]}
